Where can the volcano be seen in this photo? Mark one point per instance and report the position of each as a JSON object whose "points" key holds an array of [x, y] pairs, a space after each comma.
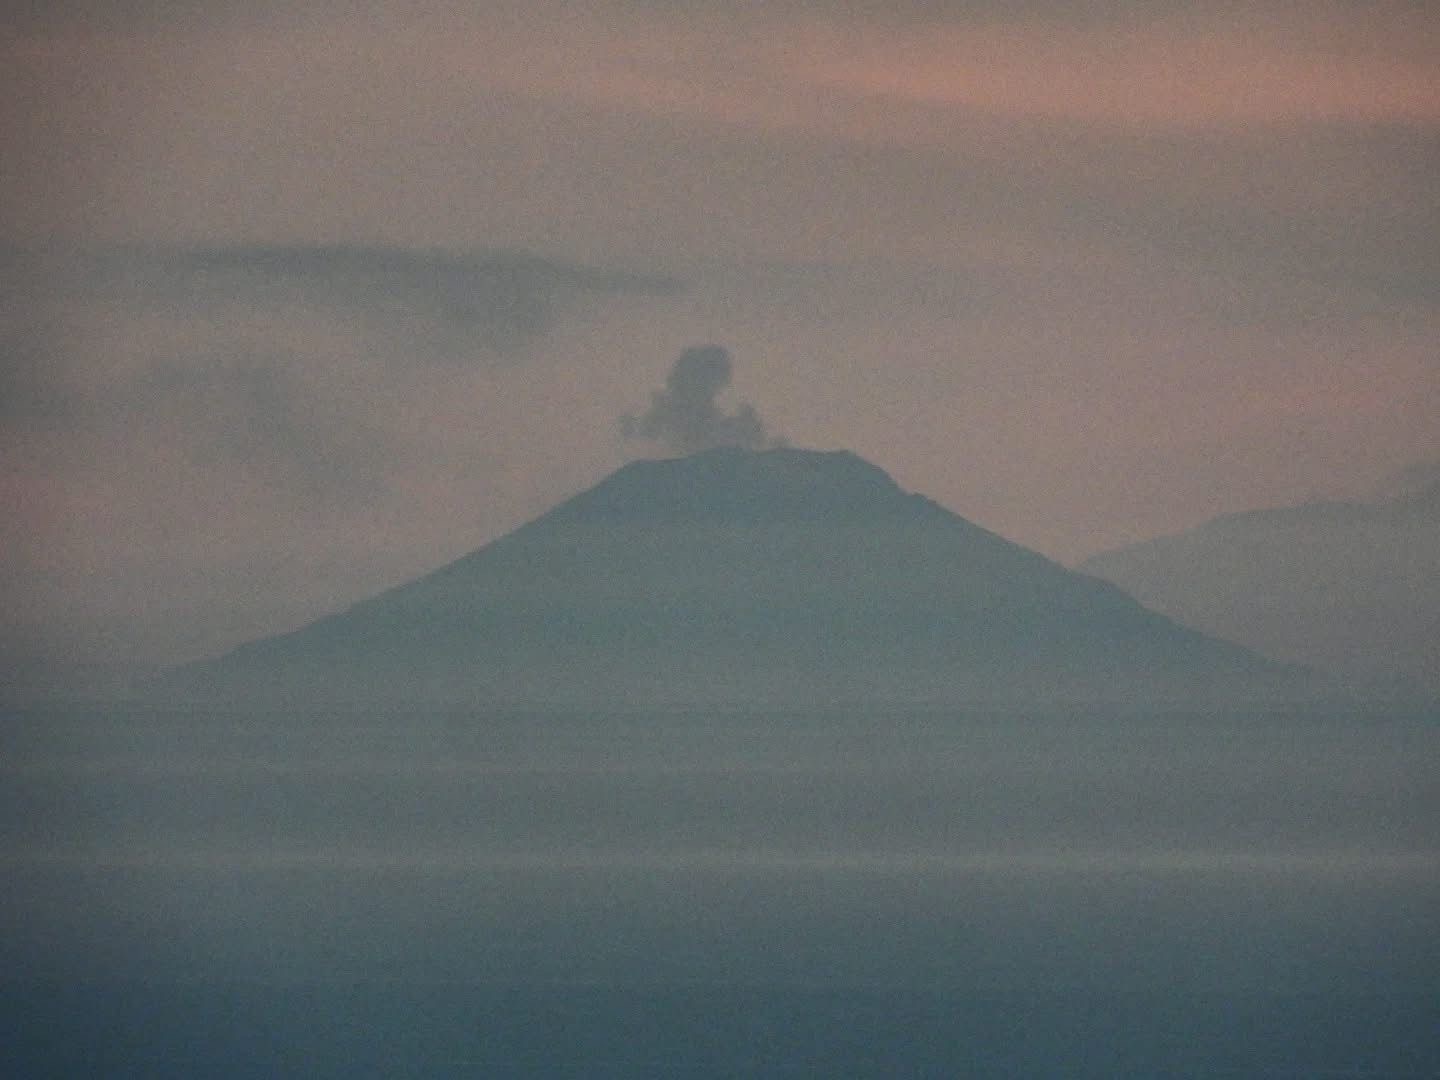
{"points": [[739, 577]]}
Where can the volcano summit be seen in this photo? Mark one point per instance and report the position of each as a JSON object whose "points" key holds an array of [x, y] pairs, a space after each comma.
{"points": [[740, 577]]}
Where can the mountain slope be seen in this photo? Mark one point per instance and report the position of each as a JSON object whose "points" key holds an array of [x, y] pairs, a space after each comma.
{"points": [[738, 576], [1350, 588]]}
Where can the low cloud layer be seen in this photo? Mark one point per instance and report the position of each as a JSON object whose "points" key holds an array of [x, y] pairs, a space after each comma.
{"points": [[274, 358], [463, 307], [685, 417]]}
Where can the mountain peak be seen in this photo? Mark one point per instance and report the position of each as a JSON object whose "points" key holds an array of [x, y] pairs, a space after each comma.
{"points": [[741, 485]]}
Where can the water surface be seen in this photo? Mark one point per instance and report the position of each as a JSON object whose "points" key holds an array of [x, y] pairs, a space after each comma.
{"points": [[633, 894]]}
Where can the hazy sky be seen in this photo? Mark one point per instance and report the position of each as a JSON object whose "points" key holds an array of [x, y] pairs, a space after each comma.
{"points": [[295, 306]]}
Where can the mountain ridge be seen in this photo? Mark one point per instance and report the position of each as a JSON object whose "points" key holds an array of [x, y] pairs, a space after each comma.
{"points": [[1349, 587]]}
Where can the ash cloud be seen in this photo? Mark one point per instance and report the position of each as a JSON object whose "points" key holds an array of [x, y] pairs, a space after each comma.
{"points": [[684, 415]]}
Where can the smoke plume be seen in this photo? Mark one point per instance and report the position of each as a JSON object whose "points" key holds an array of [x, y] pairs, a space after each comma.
{"points": [[684, 416]]}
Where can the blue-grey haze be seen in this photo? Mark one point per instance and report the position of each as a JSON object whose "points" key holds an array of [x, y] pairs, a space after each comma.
{"points": [[860, 893]]}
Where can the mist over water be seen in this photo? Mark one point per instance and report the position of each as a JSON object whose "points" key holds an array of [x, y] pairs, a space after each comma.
{"points": [[802, 893]]}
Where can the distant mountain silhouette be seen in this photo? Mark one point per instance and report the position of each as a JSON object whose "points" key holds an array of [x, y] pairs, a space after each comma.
{"points": [[1349, 588], [736, 576]]}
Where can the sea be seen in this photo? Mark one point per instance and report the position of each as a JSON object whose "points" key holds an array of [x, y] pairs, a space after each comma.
{"points": [[837, 892]]}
